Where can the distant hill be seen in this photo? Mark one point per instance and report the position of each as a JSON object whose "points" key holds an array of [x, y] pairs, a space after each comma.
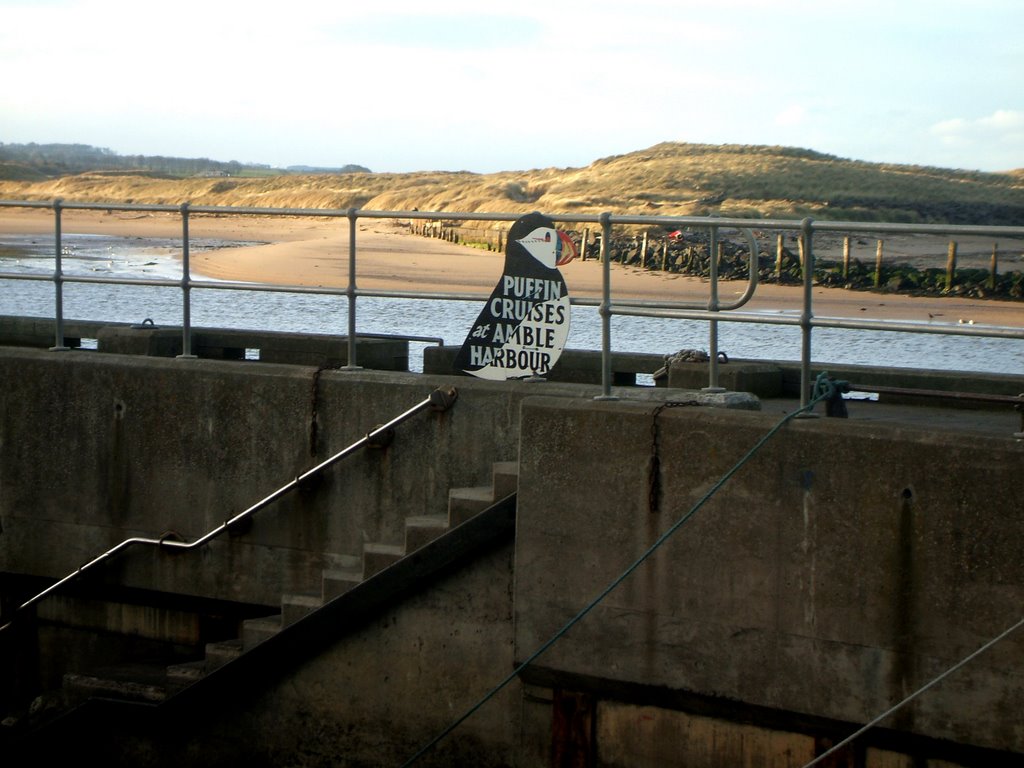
{"points": [[670, 179], [317, 169], [38, 162]]}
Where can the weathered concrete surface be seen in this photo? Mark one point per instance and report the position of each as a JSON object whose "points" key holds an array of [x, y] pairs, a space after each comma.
{"points": [[845, 565], [773, 378], [840, 568], [97, 448], [318, 350], [375, 697]]}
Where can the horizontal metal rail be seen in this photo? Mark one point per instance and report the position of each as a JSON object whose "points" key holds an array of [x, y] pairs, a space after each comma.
{"points": [[980, 397], [1017, 401], [439, 400], [711, 311]]}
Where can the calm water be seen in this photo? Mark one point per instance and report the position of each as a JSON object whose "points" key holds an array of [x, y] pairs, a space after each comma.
{"points": [[450, 321]]}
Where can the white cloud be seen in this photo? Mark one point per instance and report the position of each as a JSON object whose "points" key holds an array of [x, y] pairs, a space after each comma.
{"points": [[1004, 127], [994, 141]]}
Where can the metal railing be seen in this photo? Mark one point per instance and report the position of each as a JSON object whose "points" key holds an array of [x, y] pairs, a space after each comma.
{"points": [[712, 310], [439, 399]]}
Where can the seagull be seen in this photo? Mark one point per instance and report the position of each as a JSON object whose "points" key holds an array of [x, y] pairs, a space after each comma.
{"points": [[522, 329]]}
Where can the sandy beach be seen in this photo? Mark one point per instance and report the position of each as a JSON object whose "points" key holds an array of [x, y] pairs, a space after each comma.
{"points": [[311, 251]]}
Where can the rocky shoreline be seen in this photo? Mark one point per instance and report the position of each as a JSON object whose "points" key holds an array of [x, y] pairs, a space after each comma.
{"points": [[686, 253]]}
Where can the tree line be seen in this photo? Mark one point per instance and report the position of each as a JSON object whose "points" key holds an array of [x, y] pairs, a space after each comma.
{"points": [[54, 160]]}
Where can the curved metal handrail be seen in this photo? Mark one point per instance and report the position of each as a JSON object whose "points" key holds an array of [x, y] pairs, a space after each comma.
{"points": [[440, 399]]}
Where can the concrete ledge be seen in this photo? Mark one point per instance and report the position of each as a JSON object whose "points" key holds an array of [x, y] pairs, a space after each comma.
{"points": [[40, 332], [577, 366], [775, 379], [318, 350], [759, 378]]}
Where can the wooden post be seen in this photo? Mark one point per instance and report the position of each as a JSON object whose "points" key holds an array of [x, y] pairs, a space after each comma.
{"points": [[878, 264], [993, 267], [846, 258], [950, 264], [583, 244], [801, 245], [718, 256], [779, 249], [643, 252], [664, 255]]}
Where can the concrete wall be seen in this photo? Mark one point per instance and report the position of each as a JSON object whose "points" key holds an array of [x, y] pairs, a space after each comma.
{"points": [[844, 565], [97, 448]]}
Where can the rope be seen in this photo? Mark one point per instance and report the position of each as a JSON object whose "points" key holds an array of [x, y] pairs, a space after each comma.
{"points": [[927, 686], [823, 389]]}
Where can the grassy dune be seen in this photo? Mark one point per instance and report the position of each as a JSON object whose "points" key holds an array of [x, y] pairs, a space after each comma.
{"points": [[666, 179]]}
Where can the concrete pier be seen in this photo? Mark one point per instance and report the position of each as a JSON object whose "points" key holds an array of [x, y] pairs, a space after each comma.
{"points": [[839, 567]]}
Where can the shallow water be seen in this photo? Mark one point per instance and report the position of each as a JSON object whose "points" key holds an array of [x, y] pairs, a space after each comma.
{"points": [[97, 255]]}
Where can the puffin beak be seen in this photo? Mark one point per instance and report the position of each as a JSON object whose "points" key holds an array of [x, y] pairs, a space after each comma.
{"points": [[565, 249]]}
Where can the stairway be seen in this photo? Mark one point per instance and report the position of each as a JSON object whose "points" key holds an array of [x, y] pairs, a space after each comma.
{"points": [[155, 684], [420, 530]]}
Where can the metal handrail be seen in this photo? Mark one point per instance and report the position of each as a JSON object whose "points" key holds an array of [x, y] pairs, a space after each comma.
{"points": [[712, 311], [439, 399]]}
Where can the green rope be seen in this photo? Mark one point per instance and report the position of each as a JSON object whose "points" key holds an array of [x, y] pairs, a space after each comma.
{"points": [[823, 389]]}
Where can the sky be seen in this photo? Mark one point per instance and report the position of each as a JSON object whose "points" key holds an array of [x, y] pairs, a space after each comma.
{"points": [[487, 86]]}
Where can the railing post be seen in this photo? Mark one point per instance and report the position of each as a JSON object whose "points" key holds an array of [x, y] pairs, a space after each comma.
{"points": [[993, 267], [58, 281], [605, 308], [186, 290], [350, 292], [806, 314], [713, 307], [950, 265], [779, 250]]}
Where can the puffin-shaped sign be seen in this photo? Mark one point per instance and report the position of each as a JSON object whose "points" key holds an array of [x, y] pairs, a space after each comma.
{"points": [[522, 329]]}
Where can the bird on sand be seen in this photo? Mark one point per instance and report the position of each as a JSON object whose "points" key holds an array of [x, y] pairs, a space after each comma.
{"points": [[522, 328]]}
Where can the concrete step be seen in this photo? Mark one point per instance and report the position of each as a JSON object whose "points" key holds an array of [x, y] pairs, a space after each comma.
{"points": [[420, 530], [181, 676], [464, 503], [338, 581], [294, 607], [150, 687], [220, 653], [255, 631], [506, 478], [377, 557]]}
